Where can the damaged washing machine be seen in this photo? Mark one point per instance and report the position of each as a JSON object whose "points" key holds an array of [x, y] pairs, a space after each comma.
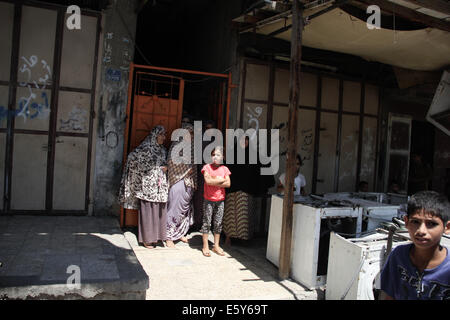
{"points": [[374, 212], [354, 265], [313, 220]]}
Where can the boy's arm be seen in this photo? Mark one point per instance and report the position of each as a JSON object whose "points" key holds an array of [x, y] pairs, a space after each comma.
{"points": [[387, 278]]}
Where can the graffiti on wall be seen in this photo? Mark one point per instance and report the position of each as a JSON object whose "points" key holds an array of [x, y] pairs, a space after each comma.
{"points": [[126, 58], [28, 107], [76, 121], [306, 146], [31, 105], [254, 118], [368, 154], [306, 141], [113, 75]]}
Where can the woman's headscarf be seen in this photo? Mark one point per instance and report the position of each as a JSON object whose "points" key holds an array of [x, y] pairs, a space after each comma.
{"points": [[143, 178], [186, 170], [150, 153]]}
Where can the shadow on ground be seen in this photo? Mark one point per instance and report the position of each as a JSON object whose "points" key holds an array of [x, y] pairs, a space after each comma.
{"points": [[67, 258], [246, 263]]}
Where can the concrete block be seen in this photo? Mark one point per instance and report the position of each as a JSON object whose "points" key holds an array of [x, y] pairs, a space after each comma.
{"points": [[131, 238], [10, 244], [26, 264], [6, 261], [37, 244], [55, 267], [98, 267]]}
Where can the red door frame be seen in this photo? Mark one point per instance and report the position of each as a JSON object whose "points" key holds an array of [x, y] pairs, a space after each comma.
{"points": [[123, 214]]}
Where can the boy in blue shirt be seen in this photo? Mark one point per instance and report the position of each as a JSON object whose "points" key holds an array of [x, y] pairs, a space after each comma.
{"points": [[421, 270]]}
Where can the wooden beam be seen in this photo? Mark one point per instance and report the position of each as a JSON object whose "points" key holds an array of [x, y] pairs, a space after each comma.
{"points": [[437, 5], [410, 14], [294, 94], [337, 4], [246, 18]]}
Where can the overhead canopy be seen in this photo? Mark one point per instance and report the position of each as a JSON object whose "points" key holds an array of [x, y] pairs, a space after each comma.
{"points": [[425, 49]]}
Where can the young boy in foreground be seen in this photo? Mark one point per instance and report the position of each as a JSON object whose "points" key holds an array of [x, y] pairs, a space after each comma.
{"points": [[421, 270]]}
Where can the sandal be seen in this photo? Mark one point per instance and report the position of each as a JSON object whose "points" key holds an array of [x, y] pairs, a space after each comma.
{"points": [[206, 253], [149, 246], [219, 252]]}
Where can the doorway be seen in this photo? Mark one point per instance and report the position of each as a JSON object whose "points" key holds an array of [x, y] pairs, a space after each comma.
{"points": [[422, 149], [158, 96]]}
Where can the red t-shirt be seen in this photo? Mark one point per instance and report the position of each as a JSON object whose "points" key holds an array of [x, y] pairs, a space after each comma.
{"points": [[213, 193]]}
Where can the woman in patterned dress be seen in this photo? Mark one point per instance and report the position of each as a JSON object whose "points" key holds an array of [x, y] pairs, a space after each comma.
{"points": [[183, 183], [240, 204], [144, 187]]}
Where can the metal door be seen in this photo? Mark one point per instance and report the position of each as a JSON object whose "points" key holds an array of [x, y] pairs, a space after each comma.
{"points": [[48, 119], [398, 148]]}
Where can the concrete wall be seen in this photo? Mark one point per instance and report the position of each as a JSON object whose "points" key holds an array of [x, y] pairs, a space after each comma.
{"points": [[119, 28]]}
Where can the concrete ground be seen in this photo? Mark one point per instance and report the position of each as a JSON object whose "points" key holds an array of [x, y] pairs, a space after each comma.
{"points": [[41, 258], [184, 273], [67, 258]]}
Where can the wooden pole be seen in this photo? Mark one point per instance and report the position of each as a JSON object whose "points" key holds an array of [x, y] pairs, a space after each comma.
{"points": [[294, 90]]}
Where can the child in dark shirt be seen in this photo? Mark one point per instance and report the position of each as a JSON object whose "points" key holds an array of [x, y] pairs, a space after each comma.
{"points": [[421, 270]]}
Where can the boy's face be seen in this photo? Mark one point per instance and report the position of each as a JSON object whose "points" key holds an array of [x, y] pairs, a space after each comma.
{"points": [[425, 229]]}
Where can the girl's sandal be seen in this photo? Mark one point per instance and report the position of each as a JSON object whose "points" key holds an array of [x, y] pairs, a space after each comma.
{"points": [[206, 253], [149, 246], [219, 252]]}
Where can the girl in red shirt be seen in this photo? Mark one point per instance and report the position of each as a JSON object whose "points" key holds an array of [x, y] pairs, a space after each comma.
{"points": [[217, 178]]}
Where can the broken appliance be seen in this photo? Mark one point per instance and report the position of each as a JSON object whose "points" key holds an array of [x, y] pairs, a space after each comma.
{"points": [[387, 198], [374, 212], [313, 220], [354, 265]]}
